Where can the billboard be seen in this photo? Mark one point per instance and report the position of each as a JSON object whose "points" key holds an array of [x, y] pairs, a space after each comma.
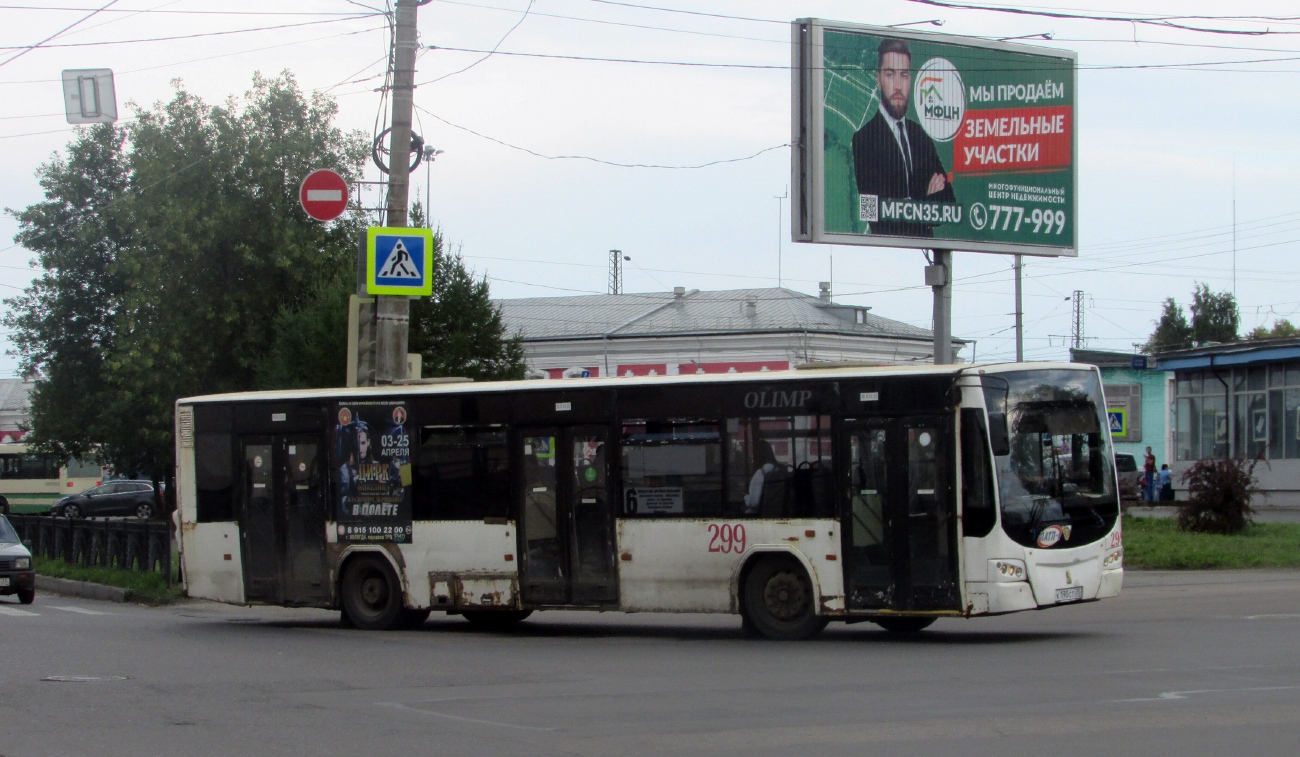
{"points": [[372, 458], [910, 139]]}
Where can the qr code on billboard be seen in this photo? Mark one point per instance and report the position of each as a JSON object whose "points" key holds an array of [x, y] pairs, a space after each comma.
{"points": [[868, 208]]}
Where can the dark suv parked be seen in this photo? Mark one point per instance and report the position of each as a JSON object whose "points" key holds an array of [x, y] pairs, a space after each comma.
{"points": [[109, 498]]}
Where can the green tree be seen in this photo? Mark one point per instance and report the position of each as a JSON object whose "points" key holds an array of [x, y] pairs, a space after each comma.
{"points": [[459, 330], [1173, 332], [1215, 319], [188, 222], [65, 323], [1214, 316], [310, 346], [1281, 329]]}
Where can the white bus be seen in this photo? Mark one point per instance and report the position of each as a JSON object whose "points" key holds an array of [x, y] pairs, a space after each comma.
{"points": [[31, 483], [891, 495]]}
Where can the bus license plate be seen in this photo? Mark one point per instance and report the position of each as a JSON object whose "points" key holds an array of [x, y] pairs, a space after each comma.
{"points": [[4, 581], [1072, 594]]}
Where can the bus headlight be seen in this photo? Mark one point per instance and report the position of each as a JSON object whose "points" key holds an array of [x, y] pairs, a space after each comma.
{"points": [[1004, 571], [1114, 559], [22, 563]]}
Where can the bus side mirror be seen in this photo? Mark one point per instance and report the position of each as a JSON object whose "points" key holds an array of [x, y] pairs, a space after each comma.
{"points": [[999, 436]]}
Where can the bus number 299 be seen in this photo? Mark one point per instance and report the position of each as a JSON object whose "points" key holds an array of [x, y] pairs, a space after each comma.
{"points": [[727, 538]]}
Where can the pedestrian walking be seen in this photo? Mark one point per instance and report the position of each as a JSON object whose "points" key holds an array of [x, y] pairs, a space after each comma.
{"points": [[1149, 479]]}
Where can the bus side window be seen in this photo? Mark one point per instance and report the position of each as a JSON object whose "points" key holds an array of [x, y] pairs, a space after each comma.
{"points": [[978, 514], [215, 477], [79, 468], [672, 468], [780, 467], [462, 473]]}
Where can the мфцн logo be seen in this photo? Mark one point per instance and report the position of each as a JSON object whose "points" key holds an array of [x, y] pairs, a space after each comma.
{"points": [[939, 99]]}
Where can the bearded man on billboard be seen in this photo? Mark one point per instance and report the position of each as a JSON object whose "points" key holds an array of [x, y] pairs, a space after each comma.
{"points": [[893, 157]]}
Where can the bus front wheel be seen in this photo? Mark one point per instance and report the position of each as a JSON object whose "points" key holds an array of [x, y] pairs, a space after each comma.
{"points": [[372, 595], [779, 600]]}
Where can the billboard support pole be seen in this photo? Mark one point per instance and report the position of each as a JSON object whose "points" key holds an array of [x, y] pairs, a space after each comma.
{"points": [[939, 277]]}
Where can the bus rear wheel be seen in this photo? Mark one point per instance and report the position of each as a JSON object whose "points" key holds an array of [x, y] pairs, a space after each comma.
{"points": [[779, 600], [904, 626], [495, 620], [372, 595]]}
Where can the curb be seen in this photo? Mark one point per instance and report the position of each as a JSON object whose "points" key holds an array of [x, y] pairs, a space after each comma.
{"points": [[67, 588]]}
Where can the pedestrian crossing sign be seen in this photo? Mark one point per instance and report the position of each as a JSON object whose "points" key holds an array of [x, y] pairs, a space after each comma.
{"points": [[1118, 422], [399, 261]]}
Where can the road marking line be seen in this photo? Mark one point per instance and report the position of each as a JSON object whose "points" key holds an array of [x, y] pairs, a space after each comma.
{"points": [[408, 708], [77, 609], [1286, 615], [14, 611], [1170, 695]]}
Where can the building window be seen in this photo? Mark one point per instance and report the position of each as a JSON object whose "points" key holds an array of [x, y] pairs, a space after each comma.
{"points": [[1246, 412]]}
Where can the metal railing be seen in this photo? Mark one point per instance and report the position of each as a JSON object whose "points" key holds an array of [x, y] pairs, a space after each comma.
{"points": [[123, 543]]}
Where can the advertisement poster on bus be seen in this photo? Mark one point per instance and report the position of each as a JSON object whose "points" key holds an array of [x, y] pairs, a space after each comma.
{"points": [[907, 139], [372, 465]]}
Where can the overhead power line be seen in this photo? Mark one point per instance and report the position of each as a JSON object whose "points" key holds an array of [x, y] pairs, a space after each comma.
{"points": [[28, 49], [1188, 66], [175, 37], [1165, 22], [162, 12], [588, 158]]}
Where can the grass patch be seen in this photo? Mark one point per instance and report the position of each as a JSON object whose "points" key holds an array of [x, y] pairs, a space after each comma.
{"points": [[150, 588], [1157, 543]]}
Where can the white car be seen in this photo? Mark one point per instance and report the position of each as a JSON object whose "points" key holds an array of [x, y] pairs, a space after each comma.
{"points": [[17, 574]]}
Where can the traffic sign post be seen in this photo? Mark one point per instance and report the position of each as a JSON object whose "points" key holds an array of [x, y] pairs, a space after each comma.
{"points": [[399, 261], [324, 195]]}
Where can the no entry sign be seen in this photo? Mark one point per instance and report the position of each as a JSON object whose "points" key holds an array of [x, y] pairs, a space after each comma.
{"points": [[324, 195]]}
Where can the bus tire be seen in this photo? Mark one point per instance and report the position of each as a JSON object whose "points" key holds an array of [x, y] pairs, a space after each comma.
{"points": [[372, 595], [904, 626], [779, 600], [495, 620]]}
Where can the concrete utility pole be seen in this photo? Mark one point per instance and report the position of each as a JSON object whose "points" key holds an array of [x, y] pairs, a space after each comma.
{"points": [[392, 327]]}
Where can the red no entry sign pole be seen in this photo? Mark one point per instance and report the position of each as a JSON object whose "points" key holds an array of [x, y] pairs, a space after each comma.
{"points": [[324, 195]]}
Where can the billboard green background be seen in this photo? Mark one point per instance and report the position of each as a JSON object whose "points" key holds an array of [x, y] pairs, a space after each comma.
{"points": [[851, 98]]}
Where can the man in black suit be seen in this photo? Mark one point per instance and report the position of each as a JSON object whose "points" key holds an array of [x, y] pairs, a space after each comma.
{"points": [[892, 156]]}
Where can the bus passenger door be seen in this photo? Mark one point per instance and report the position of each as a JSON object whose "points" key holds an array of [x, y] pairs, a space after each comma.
{"points": [[282, 520], [868, 527], [304, 506], [566, 528], [899, 516], [259, 542], [591, 525]]}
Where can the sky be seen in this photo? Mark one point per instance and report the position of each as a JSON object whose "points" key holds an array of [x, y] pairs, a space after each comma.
{"points": [[1187, 145]]}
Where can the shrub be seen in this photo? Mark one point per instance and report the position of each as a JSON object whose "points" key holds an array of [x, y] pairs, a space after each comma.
{"points": [[1219, 493]]}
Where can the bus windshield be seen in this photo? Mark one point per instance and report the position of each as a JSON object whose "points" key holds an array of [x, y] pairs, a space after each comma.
{"points": [[1057, 483]]}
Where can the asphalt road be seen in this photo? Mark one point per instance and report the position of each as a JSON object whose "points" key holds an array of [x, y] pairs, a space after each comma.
{"points": [[1181, 663]]}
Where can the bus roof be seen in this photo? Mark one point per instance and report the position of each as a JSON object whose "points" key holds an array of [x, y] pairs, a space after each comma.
{"points": [[453, 387]]}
